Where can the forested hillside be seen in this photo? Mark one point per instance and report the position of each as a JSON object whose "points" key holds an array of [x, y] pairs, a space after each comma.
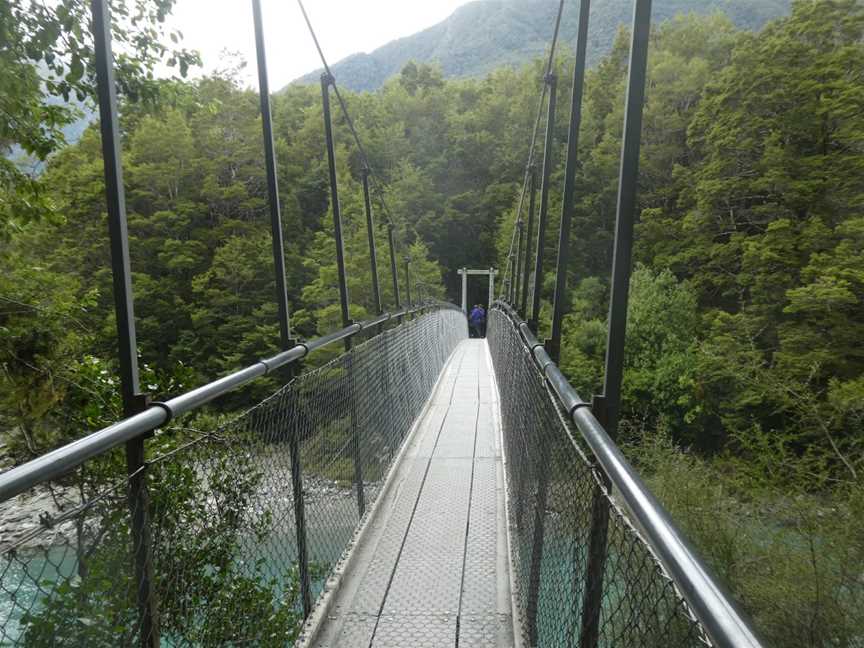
{"points": [[744, 385], [486, 34]]}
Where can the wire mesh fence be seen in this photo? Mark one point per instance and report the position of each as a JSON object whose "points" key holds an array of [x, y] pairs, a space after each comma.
{"points": [[566, 529], [214, 558]]}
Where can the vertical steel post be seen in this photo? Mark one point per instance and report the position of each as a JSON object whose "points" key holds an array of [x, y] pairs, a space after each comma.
{"points": [[526, 266], [464, 273], [116, 203], [592, 595], [552, 82], [408, 279], [272, 182], [294, 439], [514, 301], [570, 167], [356, 441], [607, 407], [373, 253], [393, 271], [326, 82], [282, 303], [133, 400], [491, 290], [505, 283], [624, 219], [508, 283], [142, 543], [537, 540]]}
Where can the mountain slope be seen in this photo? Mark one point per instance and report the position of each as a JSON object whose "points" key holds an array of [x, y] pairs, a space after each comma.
{"points": [[486, 34]]}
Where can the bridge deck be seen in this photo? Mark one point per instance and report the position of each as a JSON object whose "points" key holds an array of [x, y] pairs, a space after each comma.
{"points": [[432, 568]]}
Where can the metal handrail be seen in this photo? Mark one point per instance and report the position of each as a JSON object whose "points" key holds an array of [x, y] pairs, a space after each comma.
{"points": [[64, 459], [723, 623]]}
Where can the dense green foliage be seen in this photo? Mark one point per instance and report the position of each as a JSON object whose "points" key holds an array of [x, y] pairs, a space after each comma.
{"points": [[46, 54], [792, 558], [201, 255], [746, 315], [746, 309], [484, 35]]}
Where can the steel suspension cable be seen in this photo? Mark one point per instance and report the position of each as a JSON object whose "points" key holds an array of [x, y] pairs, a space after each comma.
{"points": [[349, 122], [376, 186], [549, 64]]}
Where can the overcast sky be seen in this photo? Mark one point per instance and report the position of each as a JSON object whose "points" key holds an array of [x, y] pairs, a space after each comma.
{"points": [[343, 27]]}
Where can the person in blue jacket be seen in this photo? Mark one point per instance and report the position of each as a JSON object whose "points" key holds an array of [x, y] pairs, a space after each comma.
{"points": [[477, 321]]}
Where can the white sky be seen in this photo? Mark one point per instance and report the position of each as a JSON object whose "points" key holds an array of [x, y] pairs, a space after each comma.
{"points": [[343, 27]]}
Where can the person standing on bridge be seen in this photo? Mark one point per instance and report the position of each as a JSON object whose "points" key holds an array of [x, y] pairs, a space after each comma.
{"points": [[477, 321]]}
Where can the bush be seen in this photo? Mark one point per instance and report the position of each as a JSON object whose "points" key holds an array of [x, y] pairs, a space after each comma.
{"points": [[792, 559]]}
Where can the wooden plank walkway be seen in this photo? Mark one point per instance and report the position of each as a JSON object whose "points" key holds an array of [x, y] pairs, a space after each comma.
{"points": [[432, 566]]}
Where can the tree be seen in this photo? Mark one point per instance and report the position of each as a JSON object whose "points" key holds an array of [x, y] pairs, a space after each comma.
{"points": [[48, 54]]}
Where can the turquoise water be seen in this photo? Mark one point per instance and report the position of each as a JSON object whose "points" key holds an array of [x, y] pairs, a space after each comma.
{"points": [[24, 577], [28, 577]]}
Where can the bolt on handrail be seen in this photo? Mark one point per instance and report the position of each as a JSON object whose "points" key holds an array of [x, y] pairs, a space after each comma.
{"points": [[64, 459], [724, 624]]}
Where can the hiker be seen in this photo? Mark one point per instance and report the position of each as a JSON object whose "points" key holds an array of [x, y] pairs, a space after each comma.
{"points": [[477, 321]]}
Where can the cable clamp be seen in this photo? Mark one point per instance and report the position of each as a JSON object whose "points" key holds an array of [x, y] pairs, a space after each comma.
{"points": [[578, 406], [166, 408]]}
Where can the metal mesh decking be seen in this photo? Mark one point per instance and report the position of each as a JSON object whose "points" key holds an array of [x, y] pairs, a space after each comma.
{"points": [[432, 568]]}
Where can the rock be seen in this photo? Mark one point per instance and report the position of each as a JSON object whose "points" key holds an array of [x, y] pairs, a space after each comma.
{"points": [[21, 516]]}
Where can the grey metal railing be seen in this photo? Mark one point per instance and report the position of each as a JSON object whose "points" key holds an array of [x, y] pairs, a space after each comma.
{"points": [[245, 519], [595, 565], [113, 532], [62, 460]]}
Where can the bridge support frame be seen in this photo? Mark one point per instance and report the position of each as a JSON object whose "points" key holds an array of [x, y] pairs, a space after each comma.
{"points": [[607, 406], [465, 273], [517, 275], [134, 401], [537, 543], [592, 598], [327, 80], [407, 266], [570, 169], [507, 283], [272, 182], [552, 81], [373, 251], [300, 517], [282, 301], [529, 232], [394, 273]]}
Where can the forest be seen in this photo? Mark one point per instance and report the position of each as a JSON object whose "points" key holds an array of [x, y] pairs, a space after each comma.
{"points": [[744, 383]]}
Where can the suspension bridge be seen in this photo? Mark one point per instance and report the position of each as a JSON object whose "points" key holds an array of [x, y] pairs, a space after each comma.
{"points": [[419, 489]]}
